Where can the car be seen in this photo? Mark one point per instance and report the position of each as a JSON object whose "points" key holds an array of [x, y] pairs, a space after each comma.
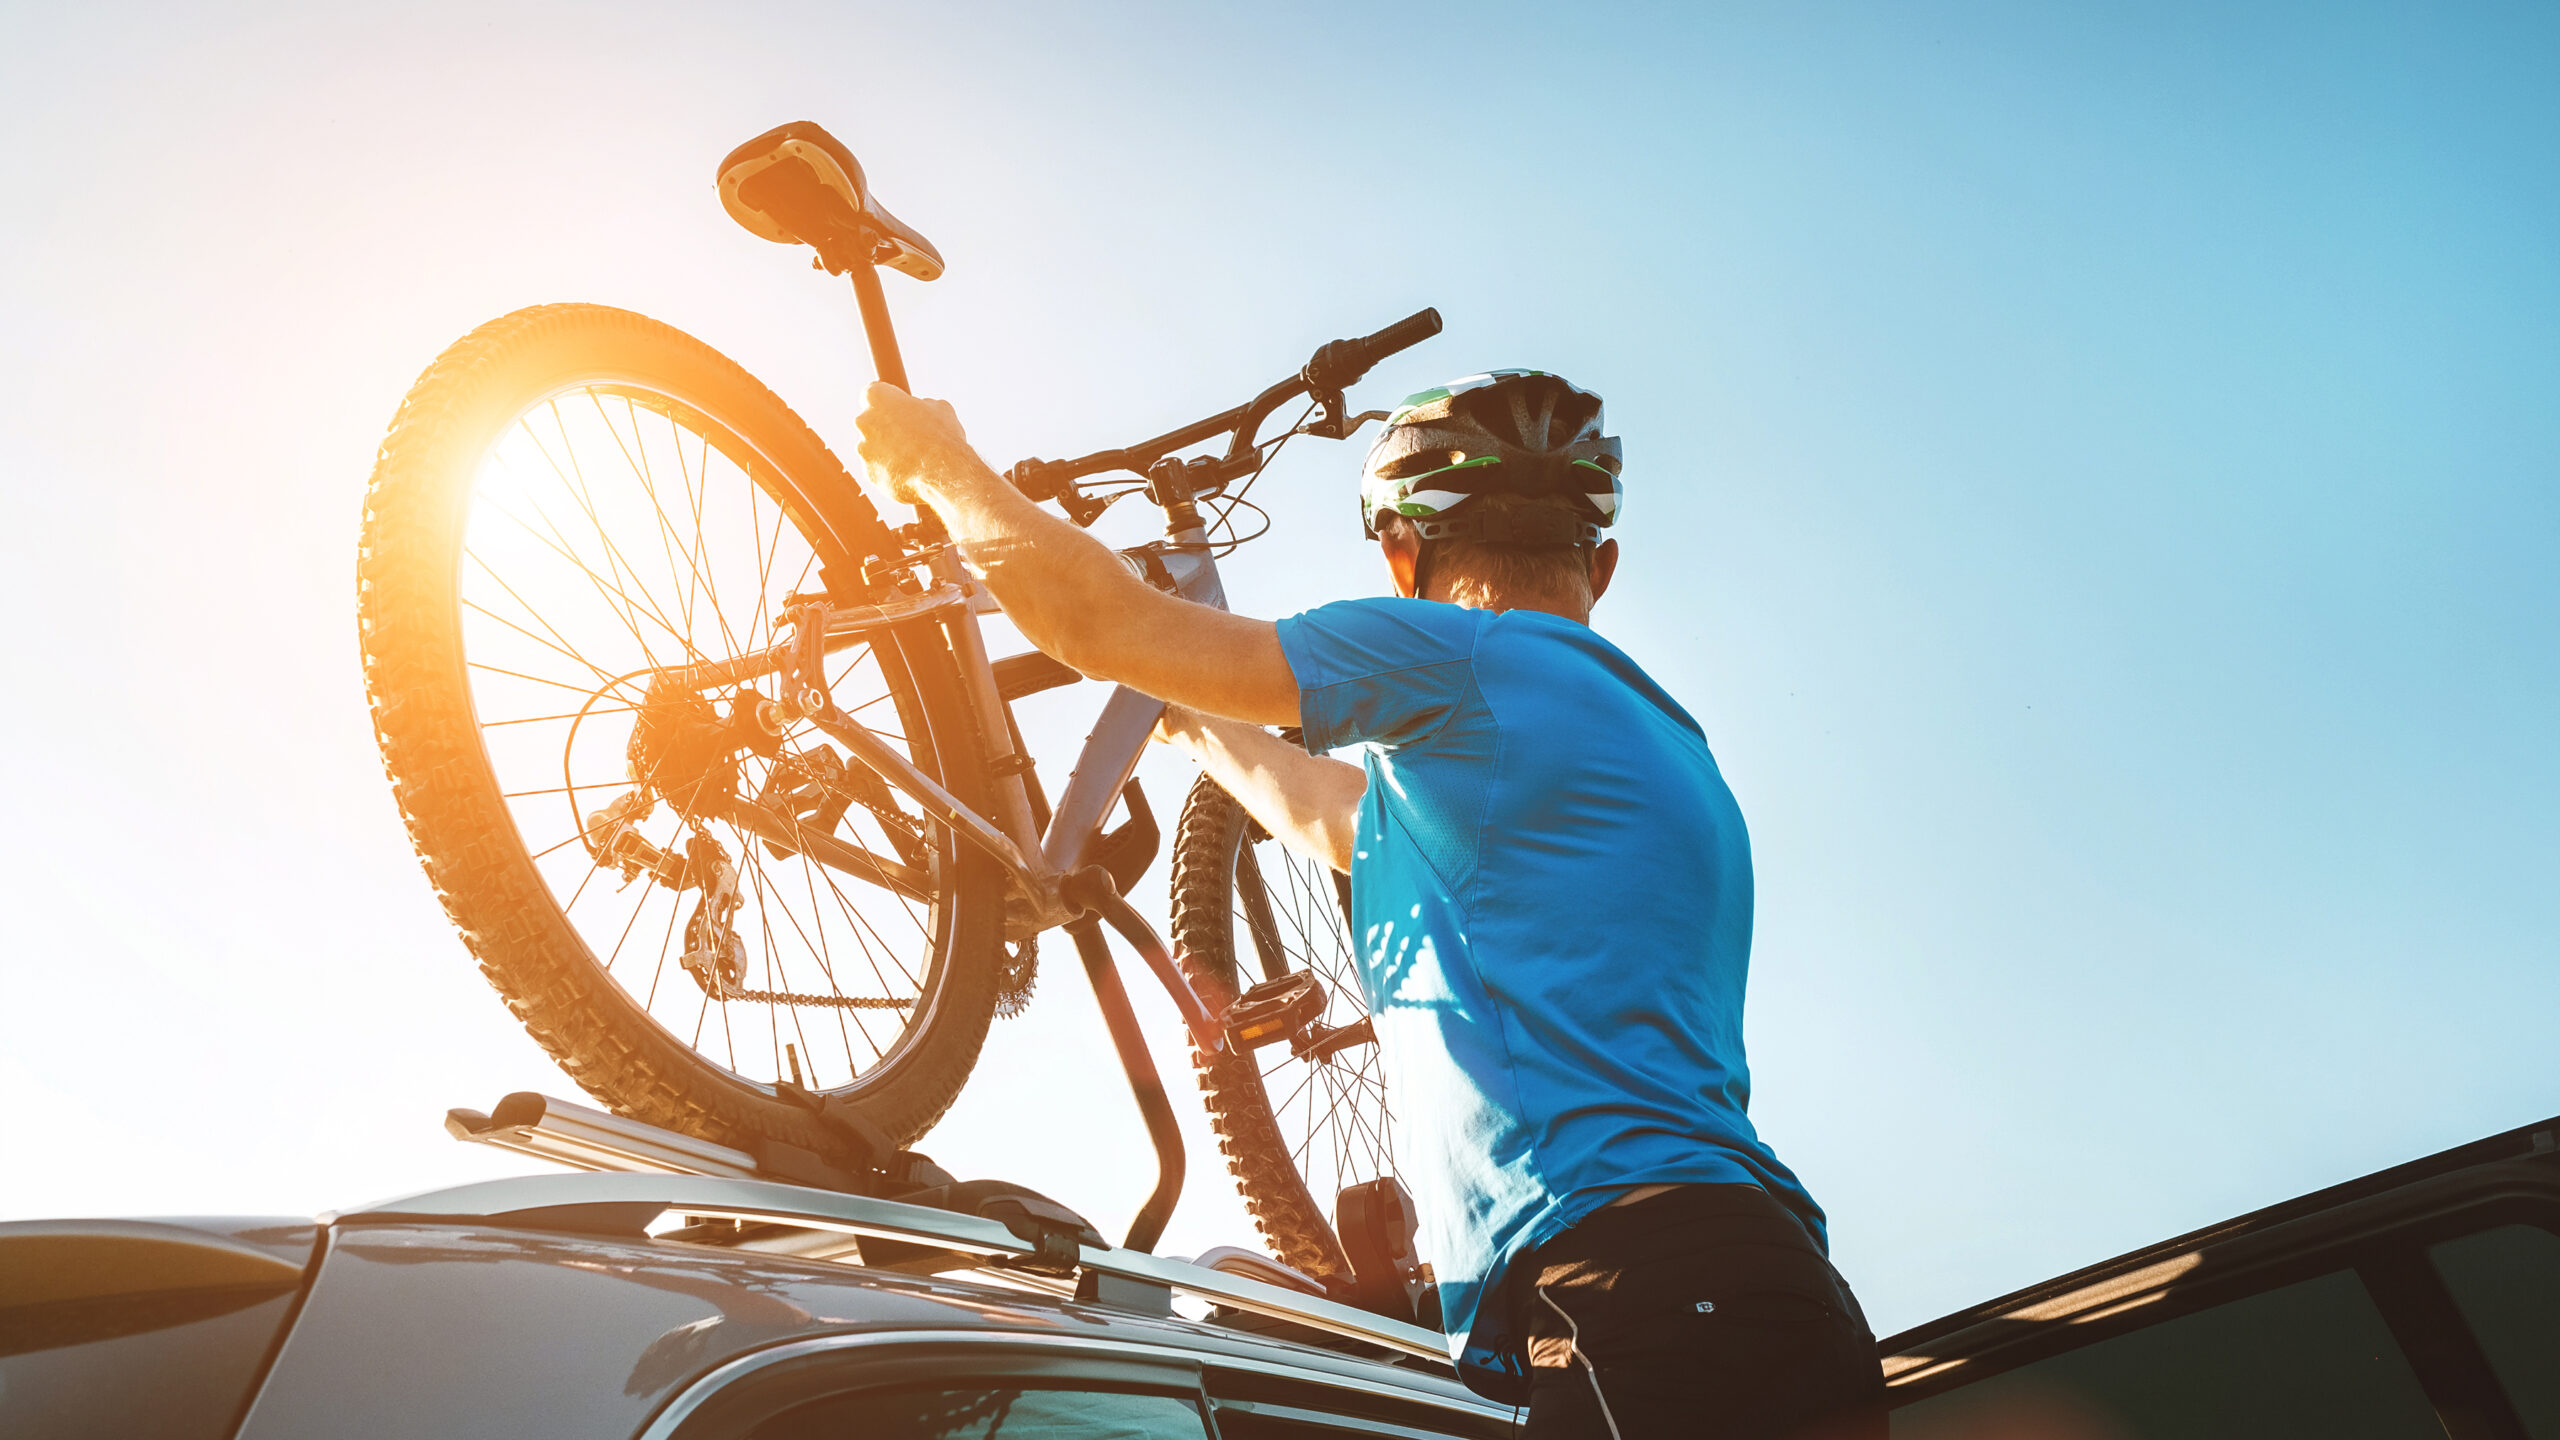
{"points": [[675, 1292], [2420, 1301]]}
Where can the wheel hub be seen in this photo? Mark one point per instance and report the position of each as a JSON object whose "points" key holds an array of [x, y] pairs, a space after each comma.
{"points": [[684, 749]]}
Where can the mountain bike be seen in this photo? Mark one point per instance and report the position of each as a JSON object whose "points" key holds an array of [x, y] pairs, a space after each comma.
{"points": [[710, 764]]}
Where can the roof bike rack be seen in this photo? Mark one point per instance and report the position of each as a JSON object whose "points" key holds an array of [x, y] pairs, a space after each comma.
{"points": [[650, 1173], [584, 1138]]}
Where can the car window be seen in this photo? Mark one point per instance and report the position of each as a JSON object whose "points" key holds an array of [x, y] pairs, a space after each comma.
{"points": [[2310, 1361], [2507, 1282], [987, 1413]]}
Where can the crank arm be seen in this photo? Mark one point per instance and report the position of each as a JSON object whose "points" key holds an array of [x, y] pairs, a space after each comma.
{"points": [[1324, 1044]]}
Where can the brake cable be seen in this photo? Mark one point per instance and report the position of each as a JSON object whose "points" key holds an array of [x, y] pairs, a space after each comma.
{"points": [[1226, 512]]}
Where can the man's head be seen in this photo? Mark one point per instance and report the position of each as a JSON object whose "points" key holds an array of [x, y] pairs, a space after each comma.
{"points": [[1492, 492]]}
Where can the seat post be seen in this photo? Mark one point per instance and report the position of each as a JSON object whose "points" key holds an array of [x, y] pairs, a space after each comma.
{"points": [[885, 360]]}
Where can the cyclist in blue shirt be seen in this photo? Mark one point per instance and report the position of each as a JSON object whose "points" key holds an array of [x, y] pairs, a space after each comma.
{"points": [[1551, 896]]}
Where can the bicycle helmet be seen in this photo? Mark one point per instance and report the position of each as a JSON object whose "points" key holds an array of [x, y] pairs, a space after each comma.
{"points": [[1504, 432]]}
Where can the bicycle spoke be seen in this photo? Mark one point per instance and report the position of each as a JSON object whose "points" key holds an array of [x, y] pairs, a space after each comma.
{"points": [[565, 789], [827, 964], [557, 542], [636, 455], [569, 715], [577, 480], [585, 502], [776, 978], [520, 675], [602, 673]]}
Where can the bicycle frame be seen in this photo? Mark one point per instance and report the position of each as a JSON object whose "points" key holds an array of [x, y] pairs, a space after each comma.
{"points": [[1049, 869], [1052, 869]]}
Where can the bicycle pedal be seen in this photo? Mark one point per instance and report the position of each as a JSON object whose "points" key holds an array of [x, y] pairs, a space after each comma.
{"points": [[1275, 1010]]}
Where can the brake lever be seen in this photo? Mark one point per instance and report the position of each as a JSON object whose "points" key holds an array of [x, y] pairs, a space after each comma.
{"points": [[1328, 422], [1082, 509], [1333, 428]]}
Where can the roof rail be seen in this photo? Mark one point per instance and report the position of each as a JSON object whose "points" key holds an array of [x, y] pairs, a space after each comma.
{"points": [[651, 1172]]}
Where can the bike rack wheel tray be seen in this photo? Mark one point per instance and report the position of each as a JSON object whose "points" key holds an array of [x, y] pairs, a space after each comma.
{"points": [[643, 1173]]}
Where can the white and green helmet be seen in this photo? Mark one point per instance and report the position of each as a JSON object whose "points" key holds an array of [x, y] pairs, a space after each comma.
{"points": [[1504, 432]]}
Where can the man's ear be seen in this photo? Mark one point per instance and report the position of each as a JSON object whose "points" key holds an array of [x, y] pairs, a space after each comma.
{"points": [[1604, 563], [1403, 549]]}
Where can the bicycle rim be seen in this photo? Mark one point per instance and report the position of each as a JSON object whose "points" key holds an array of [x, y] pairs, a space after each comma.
{"points": [[603, 526], [558, 547]]}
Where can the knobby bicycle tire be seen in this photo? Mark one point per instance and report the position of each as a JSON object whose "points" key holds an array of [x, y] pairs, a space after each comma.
{"points": [[1262, 1138], [439, 762]]}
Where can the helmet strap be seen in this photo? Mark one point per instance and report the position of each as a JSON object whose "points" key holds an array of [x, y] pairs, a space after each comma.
{"points": [[1542, 526]]}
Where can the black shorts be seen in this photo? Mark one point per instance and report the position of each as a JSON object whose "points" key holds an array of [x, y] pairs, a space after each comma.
{"points": [[1704, 1311]]}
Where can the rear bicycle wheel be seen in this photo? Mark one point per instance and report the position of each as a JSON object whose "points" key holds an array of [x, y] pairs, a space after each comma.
{"points": [[576, 508], [1297, 1123]]}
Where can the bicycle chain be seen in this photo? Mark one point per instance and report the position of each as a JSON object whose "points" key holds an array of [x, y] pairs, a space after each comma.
{"points": [[833, 1002]]}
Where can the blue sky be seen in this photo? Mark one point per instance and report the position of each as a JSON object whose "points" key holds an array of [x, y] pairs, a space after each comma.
{"points": [[2094, 471]]}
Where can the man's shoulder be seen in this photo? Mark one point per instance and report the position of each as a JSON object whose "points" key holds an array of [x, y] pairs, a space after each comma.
{"points": [[1377, 633], [1397, 610], [1383, 670], [1547, 659]]}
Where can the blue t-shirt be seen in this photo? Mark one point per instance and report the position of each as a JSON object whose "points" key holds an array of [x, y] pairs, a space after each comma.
{"points": [[1551, 899]]}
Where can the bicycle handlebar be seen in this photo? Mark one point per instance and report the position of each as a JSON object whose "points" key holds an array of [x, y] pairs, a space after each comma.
{"points": [[1335, 367]]}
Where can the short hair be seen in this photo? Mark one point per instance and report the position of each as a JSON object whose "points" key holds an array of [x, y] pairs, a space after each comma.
{"points": [[1492, 576]]}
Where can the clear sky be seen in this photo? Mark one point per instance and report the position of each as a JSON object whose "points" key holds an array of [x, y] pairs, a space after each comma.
{"points": [[2094, 471]]}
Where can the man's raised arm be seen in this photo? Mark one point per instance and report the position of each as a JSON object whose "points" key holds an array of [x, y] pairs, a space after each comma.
{"points": [[1308, 802], [1066, 591]]}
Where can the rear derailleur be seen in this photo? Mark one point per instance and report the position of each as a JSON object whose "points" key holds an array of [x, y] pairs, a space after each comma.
{"points": [[713, 953]]}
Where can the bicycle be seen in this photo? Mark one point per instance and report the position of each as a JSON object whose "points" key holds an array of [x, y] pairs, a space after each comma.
{"points": [[629, 624]]}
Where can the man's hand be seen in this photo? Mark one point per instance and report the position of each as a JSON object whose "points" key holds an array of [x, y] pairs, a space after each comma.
{"points": [[913, 446], [1062, 589]]}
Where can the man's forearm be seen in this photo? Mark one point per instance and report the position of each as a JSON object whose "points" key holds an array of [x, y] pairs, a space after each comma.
{"points": [[1067, 592], [1308, 802], [1042, 570]]}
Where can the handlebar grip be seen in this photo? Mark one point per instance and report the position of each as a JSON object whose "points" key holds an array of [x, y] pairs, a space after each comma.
{"points": [[1340, 365], [1406, 333]]}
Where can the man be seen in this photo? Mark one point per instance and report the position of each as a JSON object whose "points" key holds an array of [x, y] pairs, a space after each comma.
{"points": [[1552, 892]]}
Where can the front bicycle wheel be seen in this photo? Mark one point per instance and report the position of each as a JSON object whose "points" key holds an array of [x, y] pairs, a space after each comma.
{"points": [[1304, 1117], [705, 913]]}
